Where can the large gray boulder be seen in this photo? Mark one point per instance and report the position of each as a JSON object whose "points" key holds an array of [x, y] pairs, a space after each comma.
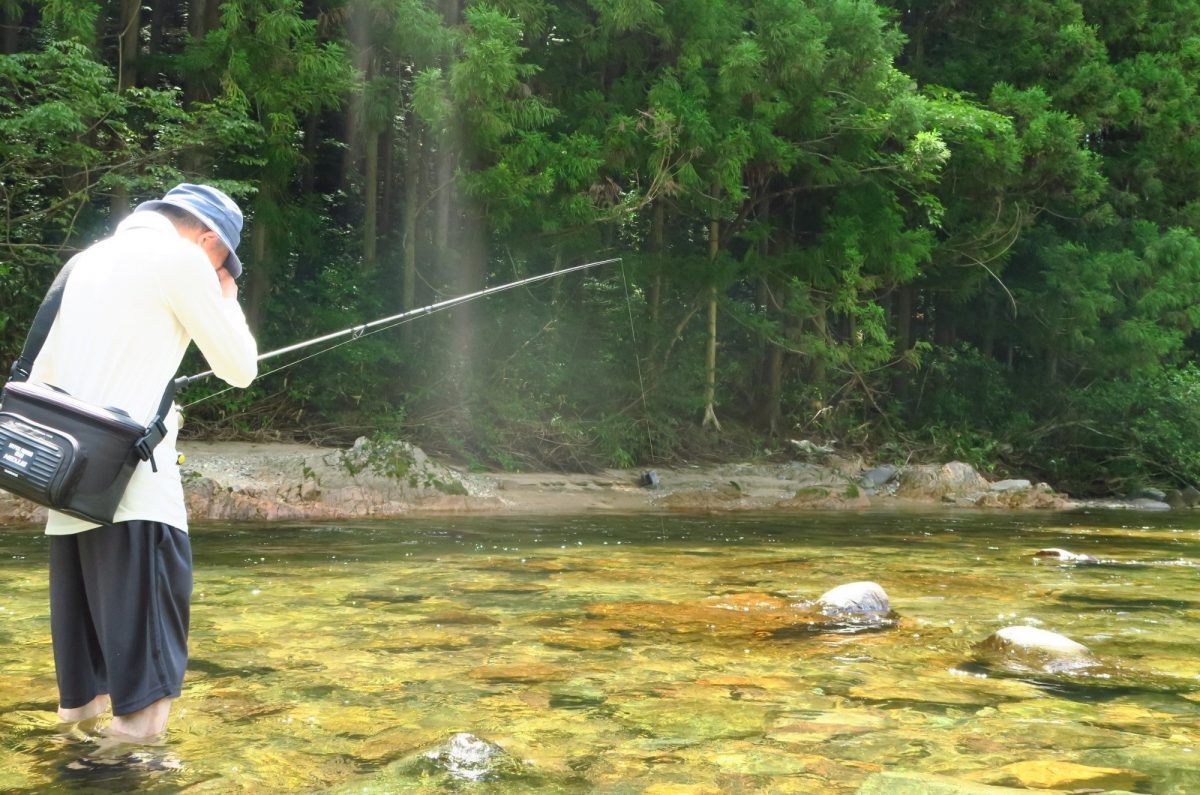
{"points": [[863, 598], [1033, 649], [930, 481], [877, 477]]}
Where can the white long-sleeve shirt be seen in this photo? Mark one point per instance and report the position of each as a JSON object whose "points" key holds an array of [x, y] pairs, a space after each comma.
{"points": [[131, 306]]}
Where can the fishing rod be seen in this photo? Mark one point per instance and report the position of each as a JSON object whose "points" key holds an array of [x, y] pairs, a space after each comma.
{"points": [[354, 332]]}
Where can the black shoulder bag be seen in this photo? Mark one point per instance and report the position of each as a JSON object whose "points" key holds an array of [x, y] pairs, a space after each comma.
{"points": [[62, 452]]}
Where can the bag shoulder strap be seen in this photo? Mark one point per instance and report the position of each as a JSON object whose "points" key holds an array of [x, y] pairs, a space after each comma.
{"points": [[42, 322], [156, 430]]}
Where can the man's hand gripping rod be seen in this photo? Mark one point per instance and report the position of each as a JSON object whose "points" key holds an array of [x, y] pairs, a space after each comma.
{"points": [[355, 332]]}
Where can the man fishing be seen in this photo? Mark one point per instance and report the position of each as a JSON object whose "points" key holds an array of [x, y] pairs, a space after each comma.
{"points": [[120, 594]]}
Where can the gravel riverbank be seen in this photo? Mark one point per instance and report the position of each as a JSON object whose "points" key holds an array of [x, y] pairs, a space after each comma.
{"points": [[250, 481]]}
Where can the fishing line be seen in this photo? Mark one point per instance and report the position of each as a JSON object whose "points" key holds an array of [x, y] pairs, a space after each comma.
{"points": [[383, 324], [641, 383], [637, 360], [304, 359]]}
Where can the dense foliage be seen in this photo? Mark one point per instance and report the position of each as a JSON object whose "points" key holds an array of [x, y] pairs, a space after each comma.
{"points": [[927, 229]]}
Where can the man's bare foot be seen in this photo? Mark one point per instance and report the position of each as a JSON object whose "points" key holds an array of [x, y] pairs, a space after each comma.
{"points": [[89, 710], [144, 725]]}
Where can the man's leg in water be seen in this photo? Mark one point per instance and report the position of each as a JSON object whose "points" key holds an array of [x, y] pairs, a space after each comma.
{"points": [[144, 724], [129, 601], [90, 710]]}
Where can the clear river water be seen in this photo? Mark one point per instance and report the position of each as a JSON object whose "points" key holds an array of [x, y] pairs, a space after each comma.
{"points": [[641, 654]]}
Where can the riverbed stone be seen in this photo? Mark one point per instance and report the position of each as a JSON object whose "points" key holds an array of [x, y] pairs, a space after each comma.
{"points": [[897, 783], [877, 477], [930, 481], [469, 758], [855, 598], [1174, 767], [1043, 774], [686, 720], [817, 728], [1035, 649], [1013, 484], [705, 619], [1149, 493], [581, 641], [519, 672]]}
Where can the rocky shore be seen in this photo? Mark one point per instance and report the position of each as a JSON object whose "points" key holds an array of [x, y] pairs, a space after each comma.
{"points": [[248, 481]]}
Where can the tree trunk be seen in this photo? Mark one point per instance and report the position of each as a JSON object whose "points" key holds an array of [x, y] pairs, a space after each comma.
{"points": [[129, 41], [710, 364], [358, 29], [902, 317], [412, 171], [312, 129], [657, 237], [944, 332], [710, 359], [193, 86], [774, 391], [129, 28], [371, 194], [987, 340], [816, 369], [13, 16], [259, 286], [902, 314], [446, 156], [212, 15], [443, 184], [118, 205], [203, 17], [158, 16], [387, 183]]}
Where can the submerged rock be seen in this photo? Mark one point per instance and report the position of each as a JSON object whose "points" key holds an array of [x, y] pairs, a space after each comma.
{"points": [[856, 598], [928, 784], [854, 607], [1057, 774], [1035, 649], [519, 672], [1064, 556], [469, 758]]}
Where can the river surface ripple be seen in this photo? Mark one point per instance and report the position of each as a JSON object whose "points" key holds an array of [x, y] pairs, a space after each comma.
{"points": [[340, 658]]}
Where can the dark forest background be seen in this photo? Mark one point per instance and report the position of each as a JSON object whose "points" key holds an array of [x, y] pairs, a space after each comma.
{"points": [[924, 230]]}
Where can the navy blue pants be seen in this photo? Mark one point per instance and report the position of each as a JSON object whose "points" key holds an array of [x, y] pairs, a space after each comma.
{"points": [[120, 601]]}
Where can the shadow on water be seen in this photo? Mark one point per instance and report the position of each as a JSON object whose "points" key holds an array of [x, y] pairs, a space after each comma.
{"points": [[1092, 686], [1126, 602], [80, 762], [212, 668], [840, 626]]}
